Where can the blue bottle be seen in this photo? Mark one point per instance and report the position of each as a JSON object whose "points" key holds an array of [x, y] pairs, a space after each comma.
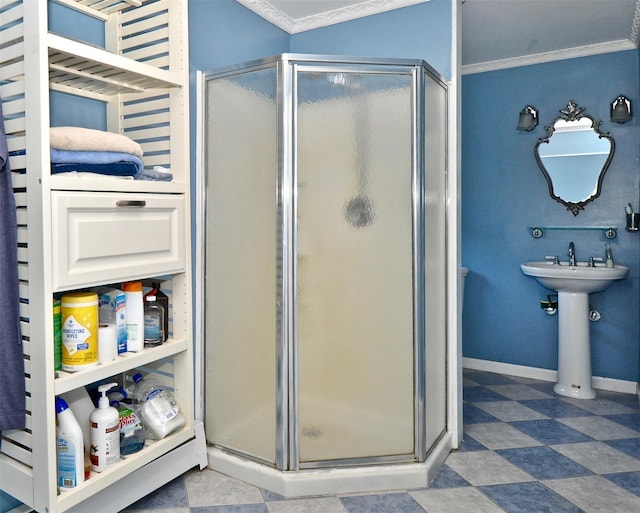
{"points": [[131, 429]]}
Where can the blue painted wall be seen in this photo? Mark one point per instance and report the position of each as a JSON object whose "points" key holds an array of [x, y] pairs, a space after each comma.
{"points": [[421, 31], [224, 32], [504, 192]]}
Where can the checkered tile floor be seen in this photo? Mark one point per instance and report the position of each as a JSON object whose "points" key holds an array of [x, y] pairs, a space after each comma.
{"points": [[525, 450]]}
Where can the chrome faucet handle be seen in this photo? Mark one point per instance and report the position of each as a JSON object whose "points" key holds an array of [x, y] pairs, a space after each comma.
{"points": [[552, 259], [572, 254], [593, 260]]}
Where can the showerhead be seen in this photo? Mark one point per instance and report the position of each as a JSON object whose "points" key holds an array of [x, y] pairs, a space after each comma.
{"points": [[358, 211]]}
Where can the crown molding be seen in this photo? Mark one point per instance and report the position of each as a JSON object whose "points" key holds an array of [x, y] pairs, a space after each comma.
{"points": [[294, 25], [556, 55]]}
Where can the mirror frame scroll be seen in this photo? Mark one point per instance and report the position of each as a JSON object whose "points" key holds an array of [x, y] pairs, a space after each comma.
{"points": [[573, 112]]}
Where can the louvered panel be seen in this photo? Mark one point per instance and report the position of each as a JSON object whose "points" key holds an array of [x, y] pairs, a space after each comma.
{"points": [[16, 143], [130, 30], [157, 160], [146, 11], [19, 181], [23, 272], [152, 105], [156, 146], [150, 55], [17, 452], [25, 329], [11, 108], [12, 34], [11, 89], [14, 126], [23, 290], [11, 16], [13, 53], [18, 437], [23, 233], [21, 217], [24, 310], [161, 62], [148, 133], [21, 200], [18, 162], [151, 119], [11, 71]]}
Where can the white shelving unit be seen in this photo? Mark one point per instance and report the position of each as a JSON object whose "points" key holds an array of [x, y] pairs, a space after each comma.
{"points": [[142, 78]]}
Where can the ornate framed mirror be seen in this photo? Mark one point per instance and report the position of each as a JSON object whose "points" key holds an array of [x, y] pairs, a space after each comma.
{"points": [[573, 157]]}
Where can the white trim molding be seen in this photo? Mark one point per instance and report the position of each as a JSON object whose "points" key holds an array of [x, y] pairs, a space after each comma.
{"points": [[556, 55], [522, 371], [266, 10]]}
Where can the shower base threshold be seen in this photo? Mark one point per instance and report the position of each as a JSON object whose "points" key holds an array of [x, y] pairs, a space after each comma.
{"points": [[331, 481]]}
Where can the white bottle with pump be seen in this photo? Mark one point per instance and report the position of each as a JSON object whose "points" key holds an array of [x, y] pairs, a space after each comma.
{"points": [[70, 447], [105, 432]]}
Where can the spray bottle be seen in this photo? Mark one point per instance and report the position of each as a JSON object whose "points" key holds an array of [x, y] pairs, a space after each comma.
{"points": [[105, 432]]}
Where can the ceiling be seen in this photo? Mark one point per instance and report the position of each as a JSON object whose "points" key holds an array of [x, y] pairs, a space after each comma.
{"points": [[495, 33]]}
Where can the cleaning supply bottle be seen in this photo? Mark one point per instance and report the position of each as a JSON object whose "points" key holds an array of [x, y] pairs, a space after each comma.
{"points": [[131, 430], [105, 432], [70, 447], [153, 322], [135, 315], [163, 300], [157, 408]]}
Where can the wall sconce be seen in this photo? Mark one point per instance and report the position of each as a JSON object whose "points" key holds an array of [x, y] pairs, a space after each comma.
{"points": [[621, 110], [528, 119]]}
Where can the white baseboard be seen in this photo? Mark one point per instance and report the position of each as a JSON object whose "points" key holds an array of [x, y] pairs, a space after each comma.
{"points": [[522, 371]]}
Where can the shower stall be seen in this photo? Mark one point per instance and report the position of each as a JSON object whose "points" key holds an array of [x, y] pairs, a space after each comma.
{"points": [[325, 272]]}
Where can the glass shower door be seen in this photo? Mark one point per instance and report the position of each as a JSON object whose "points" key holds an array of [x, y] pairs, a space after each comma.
{"points": [[240, 273], [354, 269]]}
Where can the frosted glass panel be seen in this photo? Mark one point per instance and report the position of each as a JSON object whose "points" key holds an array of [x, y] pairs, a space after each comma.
{"points": [[241, 153], [354, 266], [435, 145]]}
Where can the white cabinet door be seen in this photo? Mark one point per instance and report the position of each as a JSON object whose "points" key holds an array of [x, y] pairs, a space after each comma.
{"points": [[107, 237]]}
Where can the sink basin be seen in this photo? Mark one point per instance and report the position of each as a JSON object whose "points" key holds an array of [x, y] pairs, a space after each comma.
{"points": [[580, 279], [574, 284]]}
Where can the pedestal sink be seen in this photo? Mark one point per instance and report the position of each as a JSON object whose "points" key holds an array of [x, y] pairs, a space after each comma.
{"points": [[574, 284]]}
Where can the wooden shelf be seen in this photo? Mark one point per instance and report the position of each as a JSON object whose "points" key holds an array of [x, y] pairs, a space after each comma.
{"points": [[67, 381], [92, 71], [99, 8]]}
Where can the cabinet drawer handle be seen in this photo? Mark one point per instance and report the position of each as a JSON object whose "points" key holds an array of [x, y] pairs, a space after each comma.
{"points": [[131, 203]]}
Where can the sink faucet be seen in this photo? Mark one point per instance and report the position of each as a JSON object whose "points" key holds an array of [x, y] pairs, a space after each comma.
{"points": [[572, 254]]}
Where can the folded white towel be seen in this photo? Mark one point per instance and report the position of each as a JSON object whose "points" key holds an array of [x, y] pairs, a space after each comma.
{"points": [[87, 139]]}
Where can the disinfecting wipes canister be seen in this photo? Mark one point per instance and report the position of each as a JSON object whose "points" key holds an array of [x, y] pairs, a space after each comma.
{"points": [[79, 330]]}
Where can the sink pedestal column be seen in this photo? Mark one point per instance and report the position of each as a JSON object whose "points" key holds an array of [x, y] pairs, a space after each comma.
{"points": [[574, 346]]}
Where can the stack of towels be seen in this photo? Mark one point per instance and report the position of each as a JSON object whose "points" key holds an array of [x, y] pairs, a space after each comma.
{"points": [[85, 150]]}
